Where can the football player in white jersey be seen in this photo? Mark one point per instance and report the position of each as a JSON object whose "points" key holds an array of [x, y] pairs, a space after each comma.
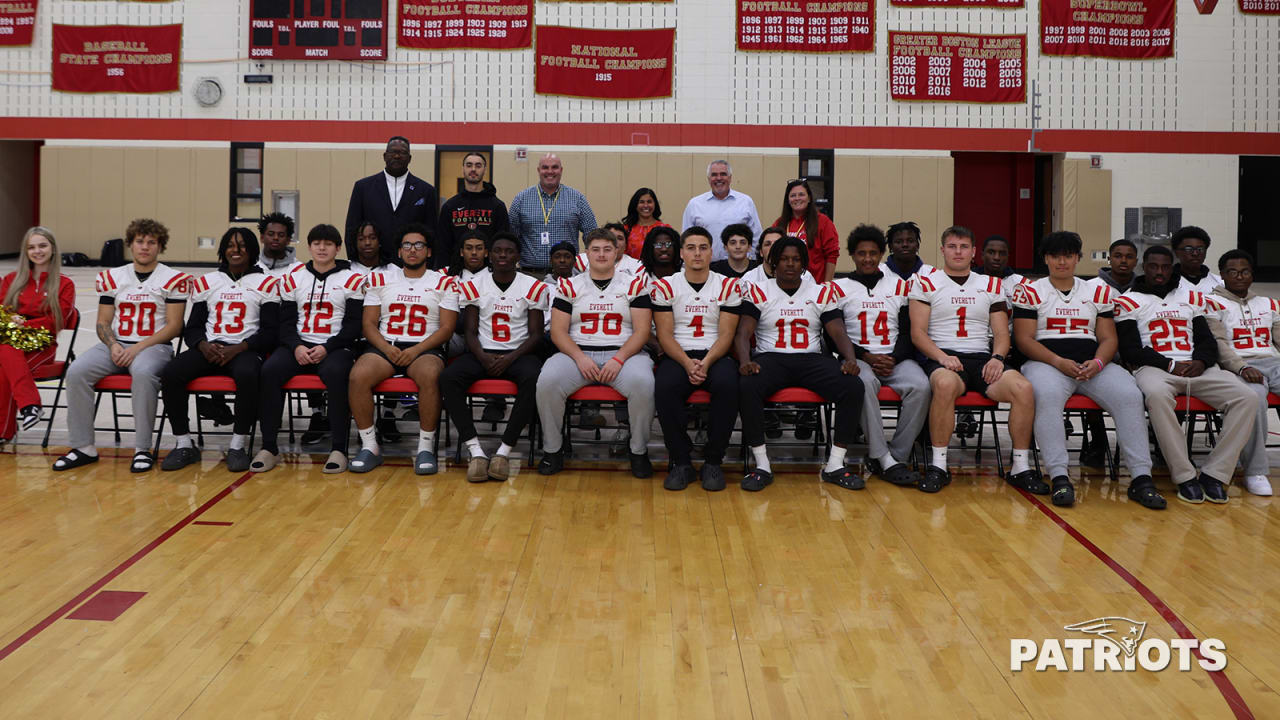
{"points": [[696, 314], [878, 322], [408, 317], [472, 258], [278, 256], [904, 252], [1065, 327], [1247, 328], [502, 321], [626, 264], [960, 322], [660, 254], [1190, 244], [366, 255], [599, 323], [319, 323], [762, 273], [234, 323], [786, 316], [140, 307], [1165, 339]]}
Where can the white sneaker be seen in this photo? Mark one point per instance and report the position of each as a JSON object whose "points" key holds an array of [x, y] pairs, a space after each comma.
{"points": [[1258, 485]]}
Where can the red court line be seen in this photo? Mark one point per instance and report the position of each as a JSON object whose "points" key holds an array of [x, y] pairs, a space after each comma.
{"points": [[53, 617], [220, 523], [1220, 679]]}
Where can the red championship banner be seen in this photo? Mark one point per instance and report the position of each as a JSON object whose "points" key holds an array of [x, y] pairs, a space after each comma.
{"points": [[956, 67], [604, 64], [1123, 29], [804, 26], [487, 24], [960, 3], [116, 58], [1260, 7], [17, 22]]}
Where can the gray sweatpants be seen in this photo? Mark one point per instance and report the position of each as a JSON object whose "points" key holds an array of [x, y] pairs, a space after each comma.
{"points": [[95, 364], [909, 381], [1254, 457], [560, 378], [1218, 388], [1114, 389]]}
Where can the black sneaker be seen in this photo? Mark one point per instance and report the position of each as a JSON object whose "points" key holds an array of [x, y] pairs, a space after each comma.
{"points": [[1143, 491], [551, 463], [845, 478], [387, 429], [772, 426], [679, 477], [1191, 492], [179, 458], [214, 408], [757, 480], [805, 424], [1093, 457], [642, 468], [712, 477], [935, 478], [901, 475], [238, 460], [1064, 495], [1214, 491], [317, 429], [1030, 480], [30, 415], [494, 410]]}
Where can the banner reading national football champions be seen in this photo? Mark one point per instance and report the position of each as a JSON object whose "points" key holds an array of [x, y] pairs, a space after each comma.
{"points": [[802, 26], [1125, 29], [488, 24], [957, 67], [960, 3], [1260, 7], [605, 64], [17, 22], [116, 58]]}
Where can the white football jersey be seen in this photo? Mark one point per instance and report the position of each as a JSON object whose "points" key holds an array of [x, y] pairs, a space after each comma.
{"points": [[791, 323], [959, 313], [925, 269], [756, 276], [1164, 323], [871, 316], [601, 318], [627, 265], [235, 306], [468, 276], [503, 322], [1204, 286], [139, 305], [410, 306], [696, 313], [1248, 323], [322, 302], [1062, 317]]}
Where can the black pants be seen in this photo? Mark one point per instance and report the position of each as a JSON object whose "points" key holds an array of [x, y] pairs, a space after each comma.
{"points": [[333, 371], [462, 372], [672, 390], [816, 372], [244, 368]]}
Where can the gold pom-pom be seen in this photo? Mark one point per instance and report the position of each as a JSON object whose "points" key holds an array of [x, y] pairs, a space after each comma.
{"points": [[21, 337]]}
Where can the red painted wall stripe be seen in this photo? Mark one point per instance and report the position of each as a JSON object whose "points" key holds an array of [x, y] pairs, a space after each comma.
{"points": [[672, 135]]}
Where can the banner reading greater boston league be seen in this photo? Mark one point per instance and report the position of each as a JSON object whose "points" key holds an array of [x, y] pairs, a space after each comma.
{"points": [[957, 67], [17, 22], [489, 24], [1124, 29], [605, 64], [802, 26], [116, 58]]}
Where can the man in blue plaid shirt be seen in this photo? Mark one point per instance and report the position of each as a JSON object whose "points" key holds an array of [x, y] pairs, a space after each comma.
{"points": [[547, 214]]}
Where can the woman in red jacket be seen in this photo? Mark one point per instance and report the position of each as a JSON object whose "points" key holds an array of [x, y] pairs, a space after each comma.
{"points": [[26, 294], [800, 218]]}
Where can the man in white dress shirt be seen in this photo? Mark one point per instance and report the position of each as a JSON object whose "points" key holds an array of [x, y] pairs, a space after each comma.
{"points": [[721, 207]]}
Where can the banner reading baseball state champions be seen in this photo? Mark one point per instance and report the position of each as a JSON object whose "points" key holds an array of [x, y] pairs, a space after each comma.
{"points": [[17, 22], [803, 26], [487, 24], [605, 64], [1123, 29], [956, 67], [116, 58]]}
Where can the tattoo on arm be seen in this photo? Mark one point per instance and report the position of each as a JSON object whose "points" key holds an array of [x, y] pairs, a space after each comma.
{"points": [[105, 334]]}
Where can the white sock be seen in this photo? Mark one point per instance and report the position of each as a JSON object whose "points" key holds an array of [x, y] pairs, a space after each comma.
{"points": [[238, 441], [369, 439], [426, 440], [504, 450], [183, 441], [836, 460], [89, 450], [886, 461], [473, 447], [1021, 461], [760, 452], [940, 457]]}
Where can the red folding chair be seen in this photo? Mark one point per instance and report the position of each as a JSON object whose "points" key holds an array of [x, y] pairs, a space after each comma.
{"points": [[800, 399], [986, 408], [490, 388], [1079, 405]]}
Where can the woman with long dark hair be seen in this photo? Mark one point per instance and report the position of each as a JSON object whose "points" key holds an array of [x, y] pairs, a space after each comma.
{"points": [[800, 218], [643, 214]]}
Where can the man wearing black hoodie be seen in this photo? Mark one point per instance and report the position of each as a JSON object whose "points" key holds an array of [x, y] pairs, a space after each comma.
{"points": [[1166, 340], [477, 207]]}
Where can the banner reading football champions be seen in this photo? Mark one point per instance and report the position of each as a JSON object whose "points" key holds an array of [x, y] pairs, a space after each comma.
{"points": [[116, 58], [1123, 29], [17, 22], [957, 67], [959, 3], [803, 26], [604, 64], [487, 24]]}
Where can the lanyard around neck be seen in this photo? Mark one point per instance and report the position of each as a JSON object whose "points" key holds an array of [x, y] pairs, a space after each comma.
{"points": [[546, 214]]}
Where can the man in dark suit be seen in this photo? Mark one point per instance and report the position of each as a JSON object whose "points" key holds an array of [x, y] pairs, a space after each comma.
{"points": [[391, 199]]}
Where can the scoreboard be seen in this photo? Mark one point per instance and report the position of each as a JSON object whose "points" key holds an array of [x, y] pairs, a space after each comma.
{"points": [[318, 30]]}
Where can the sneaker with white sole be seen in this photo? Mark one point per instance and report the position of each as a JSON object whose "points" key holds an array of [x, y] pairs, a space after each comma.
{"points": [[1258, 485]]}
